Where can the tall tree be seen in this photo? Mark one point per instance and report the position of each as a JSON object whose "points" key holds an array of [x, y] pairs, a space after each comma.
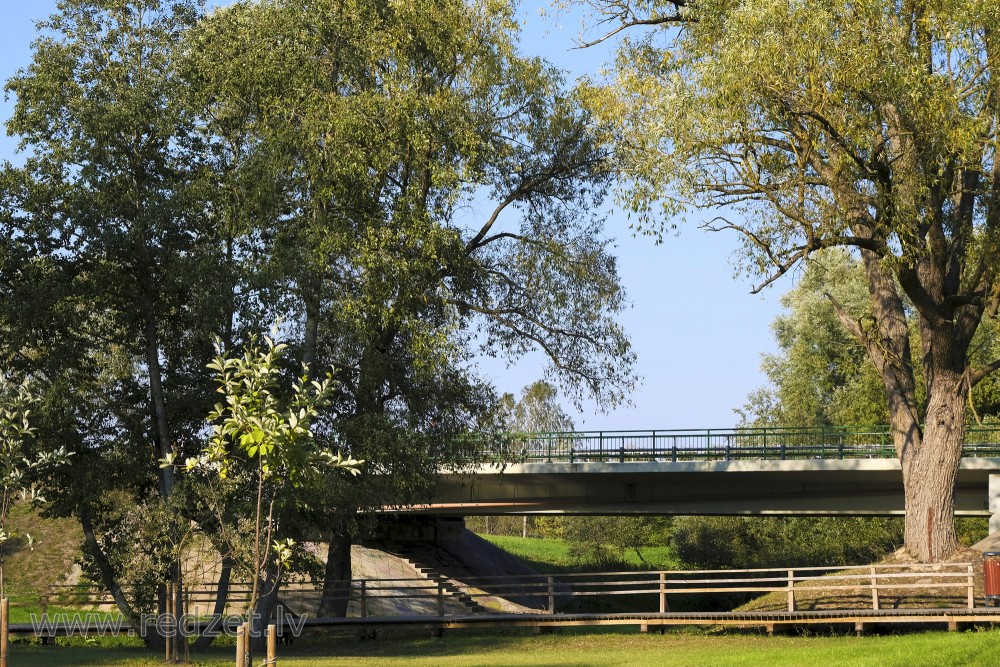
{"points": [[387, 120], [870, 126], [110, 272], [190, 175]]}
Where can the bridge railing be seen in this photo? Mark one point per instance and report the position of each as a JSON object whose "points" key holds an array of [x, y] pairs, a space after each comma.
{"points": [[823, 442]]}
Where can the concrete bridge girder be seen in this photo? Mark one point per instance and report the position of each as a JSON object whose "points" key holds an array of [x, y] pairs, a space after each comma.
{"points": [[794, 487]]}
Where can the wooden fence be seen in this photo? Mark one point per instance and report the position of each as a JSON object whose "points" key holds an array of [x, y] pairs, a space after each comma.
{"points": [[907, 586]]}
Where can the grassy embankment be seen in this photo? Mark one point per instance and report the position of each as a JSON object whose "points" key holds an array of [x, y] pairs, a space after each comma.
{"points": [[940, 649], [551, 556]]}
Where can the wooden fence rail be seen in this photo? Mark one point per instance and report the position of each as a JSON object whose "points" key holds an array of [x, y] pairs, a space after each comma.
{"points": [[904, 582]]}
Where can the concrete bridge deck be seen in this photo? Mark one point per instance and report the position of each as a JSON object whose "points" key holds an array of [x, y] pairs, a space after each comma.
{"points": [[832, 487], [785, 471]]}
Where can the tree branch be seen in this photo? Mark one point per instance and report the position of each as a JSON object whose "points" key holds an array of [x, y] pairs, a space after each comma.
{"points": [[977, 375], [849, 323]]}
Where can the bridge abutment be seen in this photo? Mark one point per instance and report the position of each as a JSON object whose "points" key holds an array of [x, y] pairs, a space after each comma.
{"points": [[440, 531]]}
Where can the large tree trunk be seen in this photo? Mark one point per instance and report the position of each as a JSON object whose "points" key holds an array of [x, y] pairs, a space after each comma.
{"points": [[930, 468], [929, 456], [337, 578]]}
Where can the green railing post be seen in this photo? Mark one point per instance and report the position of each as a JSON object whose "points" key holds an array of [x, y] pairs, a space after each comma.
{"points": [[708, 443], [765, 442], [549, 439], [673, 449]]}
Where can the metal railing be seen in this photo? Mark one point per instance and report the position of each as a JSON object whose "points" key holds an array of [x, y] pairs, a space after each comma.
{"points": [[822, 442]]}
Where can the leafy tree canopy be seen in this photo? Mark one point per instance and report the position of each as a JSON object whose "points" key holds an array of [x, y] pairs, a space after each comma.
{"points": [[805, 126]]}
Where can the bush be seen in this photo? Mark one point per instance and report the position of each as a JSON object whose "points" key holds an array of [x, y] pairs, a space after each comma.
{"points": [[751, 542]]}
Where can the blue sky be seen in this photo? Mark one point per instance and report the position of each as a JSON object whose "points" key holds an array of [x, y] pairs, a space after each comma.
{"points": [[697, 330]]}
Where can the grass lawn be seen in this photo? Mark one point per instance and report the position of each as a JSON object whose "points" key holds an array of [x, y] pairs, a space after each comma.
{"points": [[552, 556], [940, 649]]}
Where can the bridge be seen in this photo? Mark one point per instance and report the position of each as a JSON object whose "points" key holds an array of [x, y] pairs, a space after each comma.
{"points": [[744, 471]]}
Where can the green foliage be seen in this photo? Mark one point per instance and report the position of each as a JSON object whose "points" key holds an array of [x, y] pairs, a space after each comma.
{"points": [[189, 175], [753, 542], [869, 126], [111, 271], [971, 529], [821, 375], [255, 422], [537, 411], [602, 541], [266, 433]]}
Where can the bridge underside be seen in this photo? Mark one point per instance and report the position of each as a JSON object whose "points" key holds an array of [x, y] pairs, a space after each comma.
{"points": [[801, 487]]}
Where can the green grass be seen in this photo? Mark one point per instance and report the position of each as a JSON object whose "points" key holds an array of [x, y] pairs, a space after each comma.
{"points": [[551, 556], [940, 649], [56, 547]]}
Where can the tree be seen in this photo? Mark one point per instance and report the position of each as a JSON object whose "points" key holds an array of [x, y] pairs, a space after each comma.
{"points": [[264, 438], [537, 411], [191, 175], [781, 119], [821, 375], [717, 542], [110, 275], [382, 123]]}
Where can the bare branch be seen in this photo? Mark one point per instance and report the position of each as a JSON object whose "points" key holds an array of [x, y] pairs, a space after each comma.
{"points": [[655, 21], [977, 375]]}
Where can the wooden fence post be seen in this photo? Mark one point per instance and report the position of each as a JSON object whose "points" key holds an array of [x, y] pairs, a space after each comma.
{"points": [[552, 595], [272, 645], [170, 656], [4, 630], [241, 649], [972, 587], [364, 598], [440, 598], [875, 603], [663, 593], [182, 637], [791, 590]]}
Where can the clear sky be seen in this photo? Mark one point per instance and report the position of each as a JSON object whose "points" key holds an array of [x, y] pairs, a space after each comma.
{"points": [[697, 330]]}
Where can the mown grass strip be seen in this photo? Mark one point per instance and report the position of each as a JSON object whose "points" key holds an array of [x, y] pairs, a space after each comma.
{"points": [[940, 649]]}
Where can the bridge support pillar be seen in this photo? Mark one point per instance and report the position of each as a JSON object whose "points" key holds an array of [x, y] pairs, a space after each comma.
{"points": [[994, 503]]}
